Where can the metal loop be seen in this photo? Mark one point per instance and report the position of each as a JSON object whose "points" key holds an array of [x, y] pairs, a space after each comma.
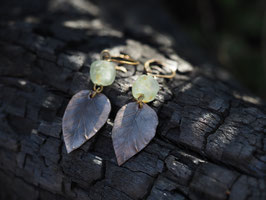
{"points": [[105, 55], [96, 90], [139, 100], [149, 70]]}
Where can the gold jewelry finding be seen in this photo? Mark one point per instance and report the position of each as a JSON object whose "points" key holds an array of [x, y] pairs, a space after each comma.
{"points": [[96, 90], [121, 59], [139, 100], [149, 70]]}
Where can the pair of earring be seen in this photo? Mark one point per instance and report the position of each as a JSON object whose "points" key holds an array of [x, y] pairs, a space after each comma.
{"points": [[135, 123]]}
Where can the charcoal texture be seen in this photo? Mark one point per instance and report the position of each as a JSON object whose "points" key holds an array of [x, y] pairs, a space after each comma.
{"points": [[211, 138]]}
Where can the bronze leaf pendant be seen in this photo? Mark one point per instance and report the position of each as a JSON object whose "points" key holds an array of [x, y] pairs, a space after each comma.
{"points": [[134, 128], [83, 118]]}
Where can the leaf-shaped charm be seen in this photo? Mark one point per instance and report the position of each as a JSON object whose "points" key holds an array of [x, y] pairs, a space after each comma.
{"points": [[133, 129], [83, 117]]}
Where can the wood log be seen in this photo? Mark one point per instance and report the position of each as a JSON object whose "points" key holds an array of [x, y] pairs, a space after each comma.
{"points": [[211, 138]]}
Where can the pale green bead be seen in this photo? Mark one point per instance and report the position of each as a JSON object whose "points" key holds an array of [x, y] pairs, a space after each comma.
{"points": [[147, 86], [102, 72]]}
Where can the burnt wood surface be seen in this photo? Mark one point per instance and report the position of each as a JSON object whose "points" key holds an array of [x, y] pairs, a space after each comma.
{"points": [[211, 138]]}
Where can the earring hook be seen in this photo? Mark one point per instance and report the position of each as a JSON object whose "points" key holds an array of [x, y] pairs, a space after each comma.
{"points": [[149, 70], [121, 59]]}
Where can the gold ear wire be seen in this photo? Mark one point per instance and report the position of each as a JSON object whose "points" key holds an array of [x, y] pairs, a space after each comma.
{"points": [[149, 70], [121, 59]]}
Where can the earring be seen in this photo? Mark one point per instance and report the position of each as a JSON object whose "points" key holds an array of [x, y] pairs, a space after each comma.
{"points": [[88, 110], [135, 123]]}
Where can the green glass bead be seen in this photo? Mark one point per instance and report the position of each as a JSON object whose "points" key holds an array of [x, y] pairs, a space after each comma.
{"points": [[102, 72], [145, 85]]}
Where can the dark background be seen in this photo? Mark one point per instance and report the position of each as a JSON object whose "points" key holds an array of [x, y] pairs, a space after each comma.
{"points": [[232, 31]]}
